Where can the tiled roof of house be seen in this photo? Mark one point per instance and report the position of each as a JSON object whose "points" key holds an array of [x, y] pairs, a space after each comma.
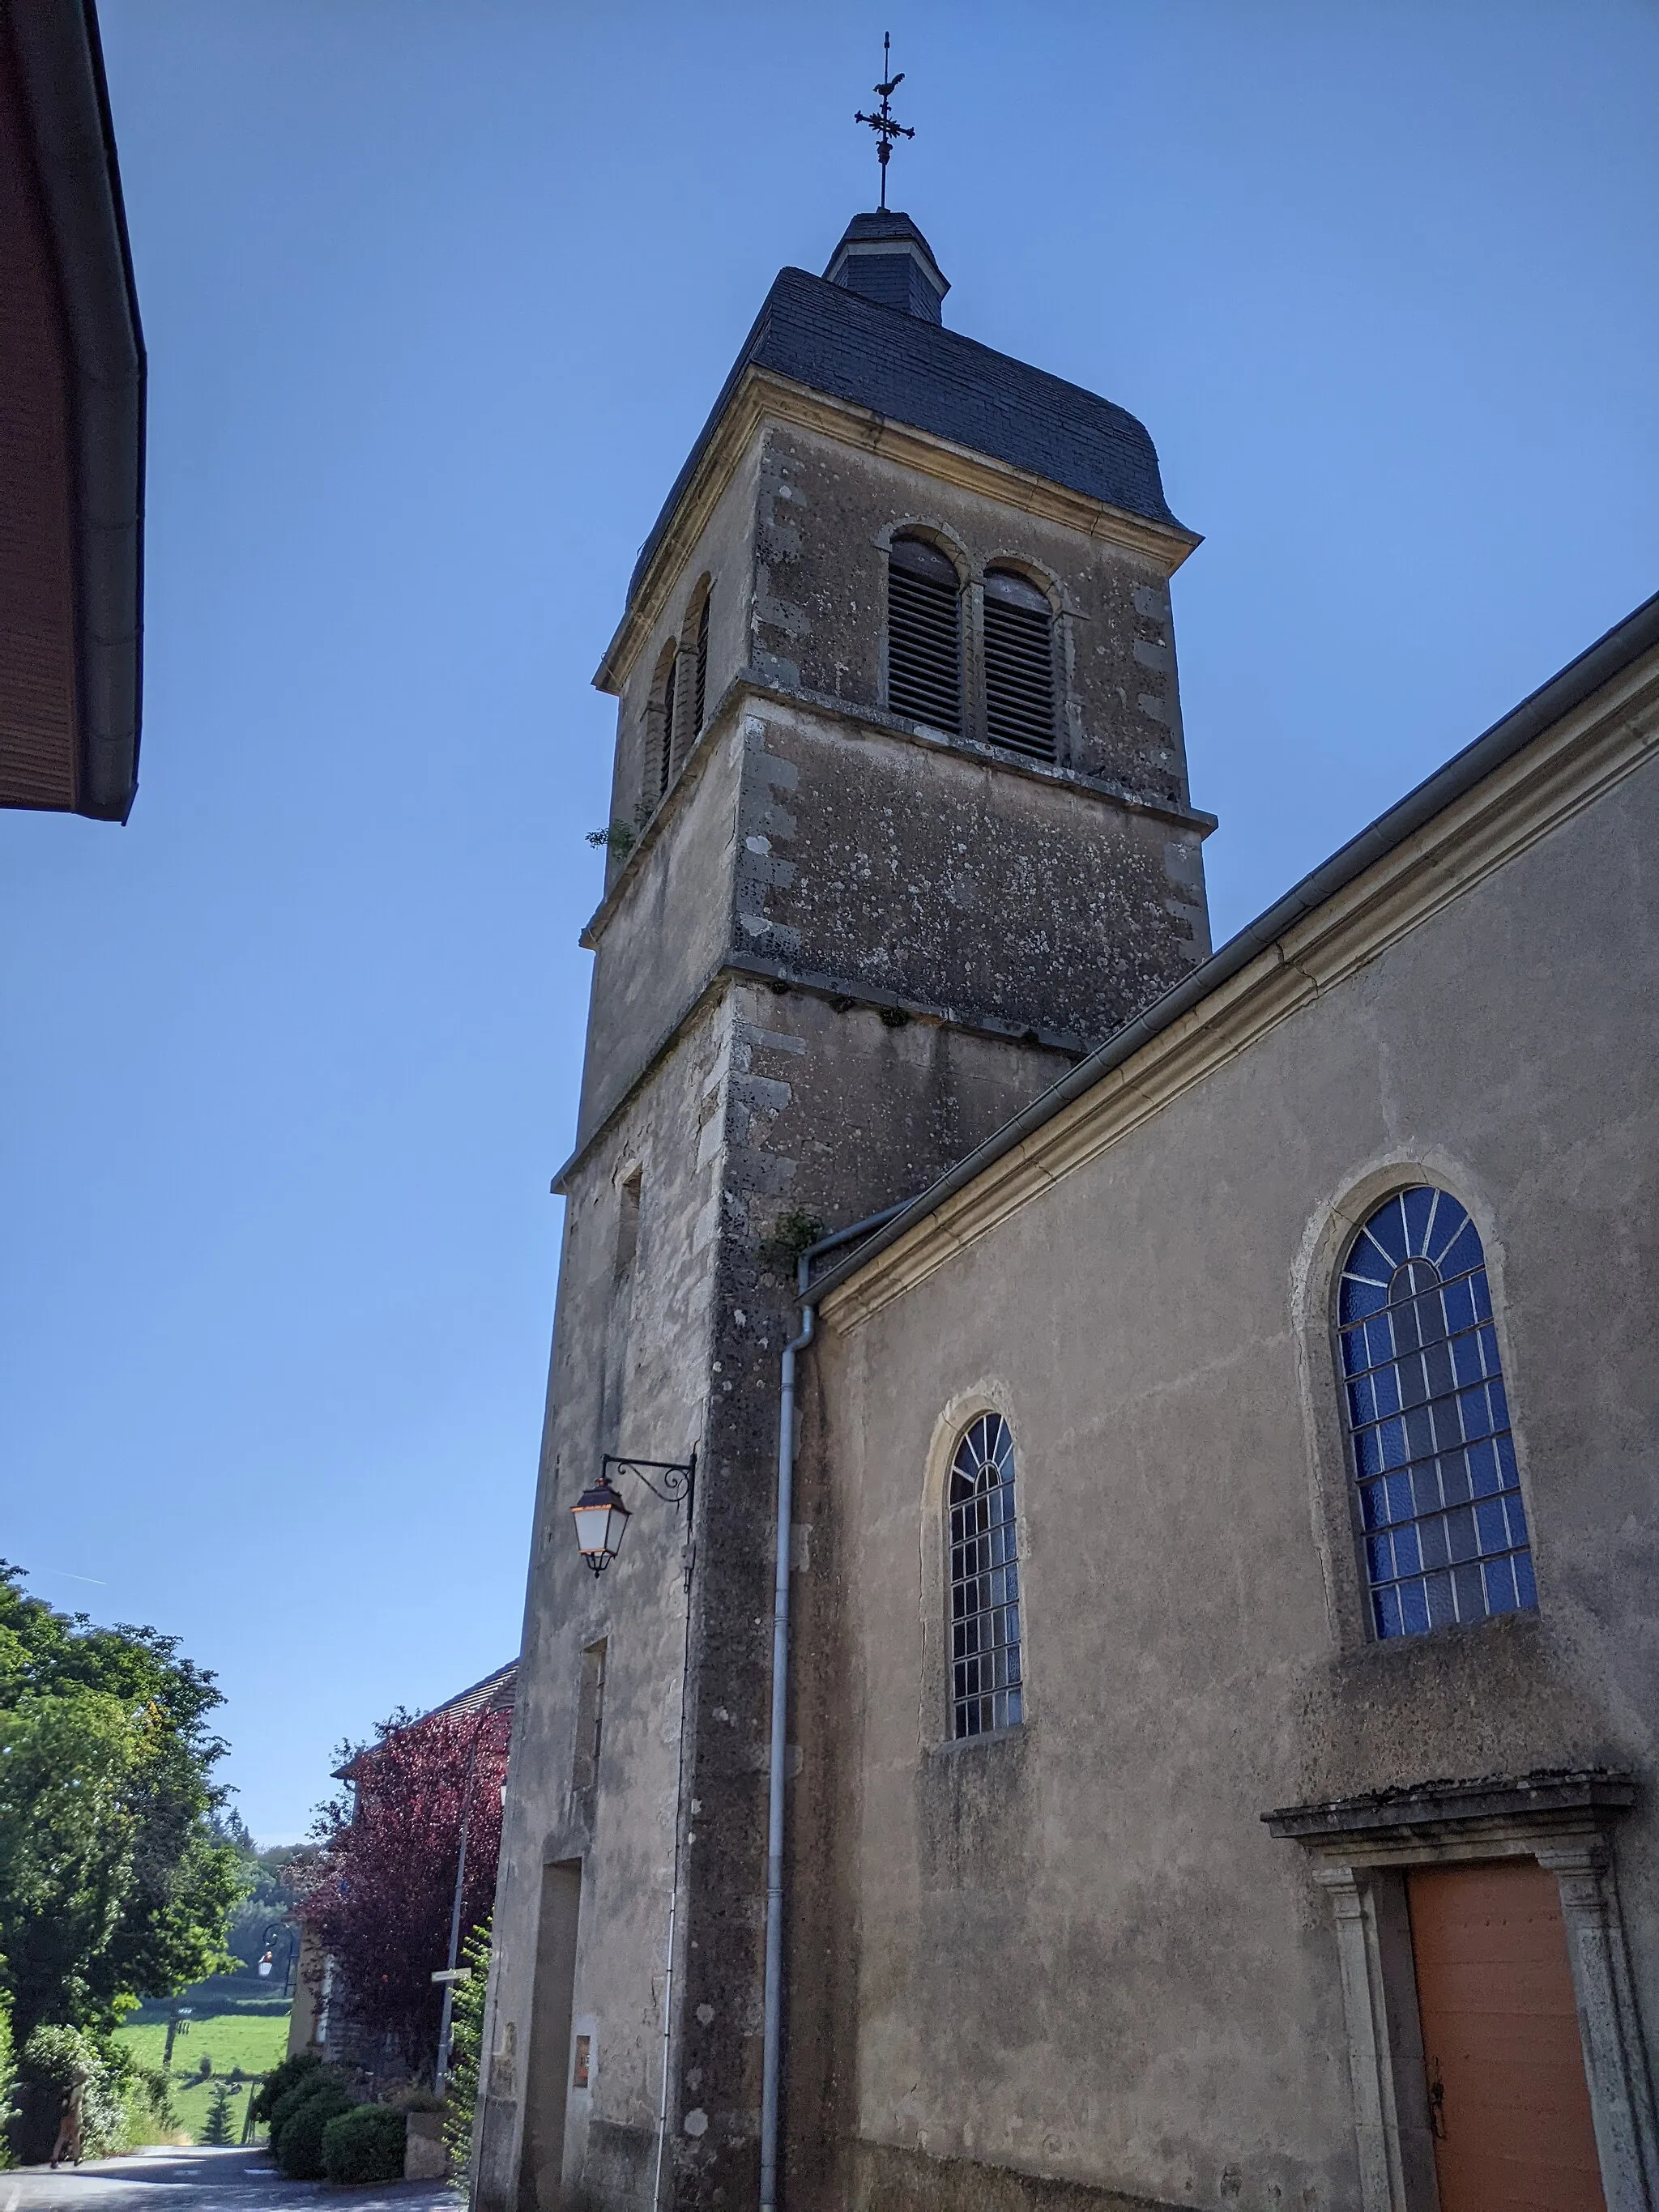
{"points": [[495, 1693], [932, 379]]}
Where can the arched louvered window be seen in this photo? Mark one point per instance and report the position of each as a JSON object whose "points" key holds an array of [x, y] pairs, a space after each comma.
{"points": [[665, 721], [985, 1664], [700, 701], [1020, 666], [923, 635], [1445, 1530]]}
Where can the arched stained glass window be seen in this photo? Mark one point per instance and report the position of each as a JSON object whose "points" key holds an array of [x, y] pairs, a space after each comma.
{"points": [[1444, 1531], [985, 1671]]}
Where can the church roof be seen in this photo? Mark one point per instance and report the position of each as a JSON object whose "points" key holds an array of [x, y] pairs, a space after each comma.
{"points": [[915, 372]]}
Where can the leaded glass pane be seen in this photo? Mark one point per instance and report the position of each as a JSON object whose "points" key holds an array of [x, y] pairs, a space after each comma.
{"points": [[1439, 1495], [984, 1608]]}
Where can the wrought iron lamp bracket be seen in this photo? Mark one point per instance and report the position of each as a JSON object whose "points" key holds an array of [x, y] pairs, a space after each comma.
{"points": [[679, 1476]]}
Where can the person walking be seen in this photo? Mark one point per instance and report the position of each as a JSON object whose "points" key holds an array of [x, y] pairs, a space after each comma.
{"points": [[68, 2145]]}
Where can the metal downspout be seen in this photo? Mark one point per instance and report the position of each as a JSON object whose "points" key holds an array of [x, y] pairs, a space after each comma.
{"points": [[771, 2047]]}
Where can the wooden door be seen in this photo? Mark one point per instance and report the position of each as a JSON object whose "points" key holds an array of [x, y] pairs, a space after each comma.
{"points": [[1507, 2096]]}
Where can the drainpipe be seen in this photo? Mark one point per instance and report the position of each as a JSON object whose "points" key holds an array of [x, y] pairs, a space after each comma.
{"points": [[771, 2048]]}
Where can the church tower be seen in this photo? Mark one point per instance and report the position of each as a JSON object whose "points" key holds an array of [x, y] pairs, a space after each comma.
{"points": [[899, 829]]}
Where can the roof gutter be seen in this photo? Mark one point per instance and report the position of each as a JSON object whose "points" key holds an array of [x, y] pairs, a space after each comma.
{"points": [[61, 67], [1578, 681]]}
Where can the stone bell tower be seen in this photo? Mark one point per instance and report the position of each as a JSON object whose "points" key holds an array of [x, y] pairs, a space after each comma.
{"points": [[901, 828]]}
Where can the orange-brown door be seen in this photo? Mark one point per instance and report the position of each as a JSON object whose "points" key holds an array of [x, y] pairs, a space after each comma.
{"points": [[1507, 2097]]}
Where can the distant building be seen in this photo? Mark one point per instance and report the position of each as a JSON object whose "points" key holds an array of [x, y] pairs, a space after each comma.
{"points": [[469, 1772], [71, 427], [1221, 1755]]}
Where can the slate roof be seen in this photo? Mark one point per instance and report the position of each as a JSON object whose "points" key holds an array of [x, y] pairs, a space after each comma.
{"points": [[932, 379]]}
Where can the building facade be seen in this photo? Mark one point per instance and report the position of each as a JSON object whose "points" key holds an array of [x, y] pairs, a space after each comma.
{"points": [[900, 829], [1222, 1555], [71, 427], [1316, 1326]]}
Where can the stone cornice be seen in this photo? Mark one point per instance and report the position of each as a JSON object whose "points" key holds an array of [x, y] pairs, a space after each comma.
{"points": [[1550, 1796], [1563, 769], [736, 967], [763, 397], [865, 721]]}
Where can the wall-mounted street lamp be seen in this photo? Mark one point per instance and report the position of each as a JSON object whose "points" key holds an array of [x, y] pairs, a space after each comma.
{"points": [[277, 1931], [602, 1518]]}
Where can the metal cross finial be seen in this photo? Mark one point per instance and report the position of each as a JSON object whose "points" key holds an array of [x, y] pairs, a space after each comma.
{"points": [[882, 121]]}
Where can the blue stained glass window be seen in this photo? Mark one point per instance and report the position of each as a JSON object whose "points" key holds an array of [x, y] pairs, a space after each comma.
{"points": [[985, 1682], [1428, 1420]]}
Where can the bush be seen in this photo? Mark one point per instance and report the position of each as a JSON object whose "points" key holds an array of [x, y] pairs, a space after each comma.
{"points": [[8, 2075], [297, 2140], [465, 2039], [283, 2110], [54, 2059], [281, 2079], [364, 2144], [217, 2132]]}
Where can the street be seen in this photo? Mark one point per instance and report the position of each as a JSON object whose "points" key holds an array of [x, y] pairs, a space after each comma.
{"points": [[196, 2180]]}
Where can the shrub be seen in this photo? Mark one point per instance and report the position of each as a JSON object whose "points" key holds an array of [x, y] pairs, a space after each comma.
{"points": [[8, 2075], [466, 2040], [297, 2140], [364, 2144], [309, 2085], [54, 2059], [216, 2132], [281, 2079]]}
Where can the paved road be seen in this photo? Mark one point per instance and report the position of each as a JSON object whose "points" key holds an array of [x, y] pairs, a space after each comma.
{"points": [[202, 2181]]}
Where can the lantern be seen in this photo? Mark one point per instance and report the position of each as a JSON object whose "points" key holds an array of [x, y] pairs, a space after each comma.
{"points": [[600, 1517]]}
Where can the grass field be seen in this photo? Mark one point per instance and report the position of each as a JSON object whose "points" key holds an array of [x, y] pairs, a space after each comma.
{"points": [[255, 2042]]}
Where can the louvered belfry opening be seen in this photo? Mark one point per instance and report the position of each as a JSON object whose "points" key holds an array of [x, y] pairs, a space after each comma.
{"points": [[665, 759], [701, 701], [1020, 666], [923, 635]]}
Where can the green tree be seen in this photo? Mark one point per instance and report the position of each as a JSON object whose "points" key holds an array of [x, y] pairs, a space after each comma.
{"points": [[113, 1882], [466, 2044], [218, 2129]]}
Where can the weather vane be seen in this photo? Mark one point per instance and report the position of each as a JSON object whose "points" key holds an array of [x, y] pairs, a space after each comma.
{"points": [[882, 121]]}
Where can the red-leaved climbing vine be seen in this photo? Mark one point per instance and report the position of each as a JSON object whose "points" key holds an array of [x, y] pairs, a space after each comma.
{"points": [[377, 1896]]}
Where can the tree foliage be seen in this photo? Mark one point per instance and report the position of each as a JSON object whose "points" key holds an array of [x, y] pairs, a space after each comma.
{"points": [[113, 1882], [465, 2047], [218, 2130], [380, 1889]]}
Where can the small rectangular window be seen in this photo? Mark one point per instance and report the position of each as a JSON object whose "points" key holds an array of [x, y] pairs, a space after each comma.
{"points": [[581, 2068], [628, 1219], [590, 1718]]}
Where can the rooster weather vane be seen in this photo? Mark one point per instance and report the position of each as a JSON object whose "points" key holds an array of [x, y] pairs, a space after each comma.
{"points": [[881, 121]]}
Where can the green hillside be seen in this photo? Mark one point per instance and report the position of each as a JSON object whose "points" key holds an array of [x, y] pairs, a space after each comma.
{"points": [[251, 2041]]}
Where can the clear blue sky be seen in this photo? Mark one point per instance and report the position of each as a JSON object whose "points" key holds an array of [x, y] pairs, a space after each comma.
{"points": [[436, 297]]}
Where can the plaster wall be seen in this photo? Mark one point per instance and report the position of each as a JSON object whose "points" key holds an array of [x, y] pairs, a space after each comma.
{"points": [[826, 510], [1068, 1963]]}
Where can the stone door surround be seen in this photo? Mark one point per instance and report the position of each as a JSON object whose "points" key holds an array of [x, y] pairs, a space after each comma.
{"points": [[1360, 1846]]}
